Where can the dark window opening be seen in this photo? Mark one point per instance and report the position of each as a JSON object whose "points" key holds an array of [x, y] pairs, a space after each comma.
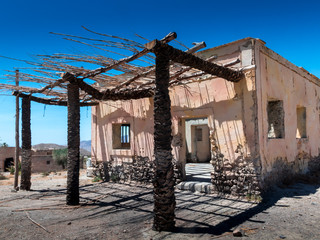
{"points": [[121, 136], [48, 162], [199, 134], [275, 119], [8, 163], [301, 122]]}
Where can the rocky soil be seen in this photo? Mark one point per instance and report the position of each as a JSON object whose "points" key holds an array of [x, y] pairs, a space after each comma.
{"points": [[124, 211]]}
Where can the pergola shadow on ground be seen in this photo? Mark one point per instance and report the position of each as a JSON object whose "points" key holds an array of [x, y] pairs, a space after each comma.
{"points": [[107, 208], [171, 66]]}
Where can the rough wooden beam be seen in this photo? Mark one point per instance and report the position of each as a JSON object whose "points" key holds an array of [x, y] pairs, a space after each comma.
{"points": [[31, 90], [190, 60], [50, 102], [110, 94], [152, 70], [26, 146], [73, 145], [164, 199], [196, 47]]}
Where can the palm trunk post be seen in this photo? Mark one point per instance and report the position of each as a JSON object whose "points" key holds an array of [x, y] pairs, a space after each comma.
{"points": [[73, 144], [164, 199], [26, 145]]}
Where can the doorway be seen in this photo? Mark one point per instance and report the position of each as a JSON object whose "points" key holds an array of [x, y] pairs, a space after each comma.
{"points": [[198, 155], [8, 163], [197, 140]]}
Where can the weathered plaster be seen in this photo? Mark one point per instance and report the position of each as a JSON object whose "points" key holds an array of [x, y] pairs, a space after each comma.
{"points": [[281, 80], [244, 158]]}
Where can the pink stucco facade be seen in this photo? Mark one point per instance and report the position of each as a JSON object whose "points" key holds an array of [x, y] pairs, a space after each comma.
{"points": [[235, 113], [278, 79]]}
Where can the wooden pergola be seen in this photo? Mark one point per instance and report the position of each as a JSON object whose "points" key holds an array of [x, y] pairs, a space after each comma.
{"points": [[150, 71]]}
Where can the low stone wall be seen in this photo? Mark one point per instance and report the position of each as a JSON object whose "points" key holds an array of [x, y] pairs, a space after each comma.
{"points": [[141, 169], [236, 178], [284, 172], [239, 177], [314, 166], [243, 178]]}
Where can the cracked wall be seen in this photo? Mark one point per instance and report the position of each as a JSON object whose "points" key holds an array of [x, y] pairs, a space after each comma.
{"points": [[291, 152], [229, 107]]}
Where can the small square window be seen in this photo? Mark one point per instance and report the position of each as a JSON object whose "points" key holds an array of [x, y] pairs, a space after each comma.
{"points": [[121, 136], [301, 122], [275, 119], [48, 162]]}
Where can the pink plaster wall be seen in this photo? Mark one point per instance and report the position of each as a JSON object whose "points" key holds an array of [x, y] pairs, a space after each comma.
{"points": [[229, 107], [279, 79]]}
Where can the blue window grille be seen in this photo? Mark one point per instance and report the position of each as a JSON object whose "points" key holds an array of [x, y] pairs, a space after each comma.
{"points": [[125, 133]]}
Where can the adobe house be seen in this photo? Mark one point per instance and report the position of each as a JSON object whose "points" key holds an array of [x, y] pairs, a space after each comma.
{"points": [[7, 155], [255, 132], [240, 106], [42, 161]]}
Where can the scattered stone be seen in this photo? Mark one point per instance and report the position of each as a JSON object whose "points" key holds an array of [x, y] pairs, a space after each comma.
{"points": [[237, 232], [90, 171]]}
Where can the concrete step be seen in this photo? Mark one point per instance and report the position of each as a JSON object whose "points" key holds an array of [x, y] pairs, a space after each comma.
{"points": [[203, 187]]}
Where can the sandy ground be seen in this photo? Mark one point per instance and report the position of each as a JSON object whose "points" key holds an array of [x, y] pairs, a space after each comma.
{"points": [[124, 211]]}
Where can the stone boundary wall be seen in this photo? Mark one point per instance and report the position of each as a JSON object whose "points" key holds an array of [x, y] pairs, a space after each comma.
{"points": [[141, 169], [239, 178], [284, 172]]}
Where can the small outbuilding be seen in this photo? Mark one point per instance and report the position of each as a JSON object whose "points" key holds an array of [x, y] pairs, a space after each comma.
{"points": [[7, 155]]}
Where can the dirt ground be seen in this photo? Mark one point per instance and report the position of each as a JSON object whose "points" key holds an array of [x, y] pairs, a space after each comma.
{"points": [[124, 211]]}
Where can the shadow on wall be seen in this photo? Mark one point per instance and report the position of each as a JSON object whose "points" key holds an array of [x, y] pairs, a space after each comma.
{"points": [[142, 136], [305, 168], [226, 114]]}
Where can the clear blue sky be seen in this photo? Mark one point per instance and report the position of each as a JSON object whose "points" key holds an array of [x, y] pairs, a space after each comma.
{"points": [[291, 28]]}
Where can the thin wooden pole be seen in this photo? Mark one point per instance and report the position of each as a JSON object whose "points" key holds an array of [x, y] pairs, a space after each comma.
{"points": [[16, 159]]}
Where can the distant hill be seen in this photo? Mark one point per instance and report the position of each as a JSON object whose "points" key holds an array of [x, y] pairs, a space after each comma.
{"points": [[86, 145], [46, 146]]}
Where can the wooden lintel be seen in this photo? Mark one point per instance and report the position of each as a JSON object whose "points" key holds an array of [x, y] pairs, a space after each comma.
{"points": [[166, 39], [190, 60], [196, 47], [150, 45], [192, 50], [50, 102], [112, 95]]}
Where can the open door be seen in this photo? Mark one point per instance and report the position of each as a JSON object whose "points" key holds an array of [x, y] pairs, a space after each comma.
{"points": [[197, 140], [8, 163]]}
